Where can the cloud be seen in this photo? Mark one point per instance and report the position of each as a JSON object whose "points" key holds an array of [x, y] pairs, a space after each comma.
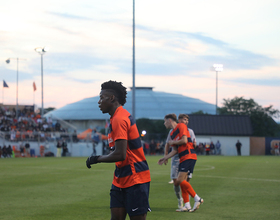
{"points": [[242, 59], [273, 82], [178, 35], [216, 51], [68, 16], [10, 75], [65, 30], [205, 39], [59, 63], [79, 80]]}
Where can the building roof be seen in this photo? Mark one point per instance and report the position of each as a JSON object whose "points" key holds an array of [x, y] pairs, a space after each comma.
{"points": [[148, 104], [222, 125]]}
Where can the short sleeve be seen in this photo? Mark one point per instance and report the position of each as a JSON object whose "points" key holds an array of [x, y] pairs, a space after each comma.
{"points": [[120, 128], [183, 130], [168, 136]]}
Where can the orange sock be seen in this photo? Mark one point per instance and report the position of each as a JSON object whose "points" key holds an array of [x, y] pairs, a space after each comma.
{"points": [[188, 197], [184, 192], [187, 188]]}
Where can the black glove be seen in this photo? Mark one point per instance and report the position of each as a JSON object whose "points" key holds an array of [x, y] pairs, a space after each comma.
{"points": [[92, 160]]}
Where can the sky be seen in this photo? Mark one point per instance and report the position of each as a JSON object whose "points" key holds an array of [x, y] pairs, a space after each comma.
{"points": [[176, 44]]}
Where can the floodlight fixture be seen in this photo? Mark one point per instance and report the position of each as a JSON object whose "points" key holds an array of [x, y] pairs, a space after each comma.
{"points": [[217, 68], [42, 51]]}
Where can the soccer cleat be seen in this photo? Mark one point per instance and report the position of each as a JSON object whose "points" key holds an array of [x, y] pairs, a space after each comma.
{"points": [[196, 205], [188, 206], [180, 203], [183, 209], [170, 182]]}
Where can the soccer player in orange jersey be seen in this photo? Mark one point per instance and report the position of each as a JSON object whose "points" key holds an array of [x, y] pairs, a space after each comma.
{"points": [[182, 144], [131, 183], [170, 121], [184, 118]]}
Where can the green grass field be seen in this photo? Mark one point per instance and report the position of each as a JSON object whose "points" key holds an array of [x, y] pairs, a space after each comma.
{"points": [[63, 188]]}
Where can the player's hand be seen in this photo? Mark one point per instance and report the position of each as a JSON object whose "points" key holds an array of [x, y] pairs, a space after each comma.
{"points": [[194, 143], [161, 161], [171, 143], [165, 162], [92, 160]]}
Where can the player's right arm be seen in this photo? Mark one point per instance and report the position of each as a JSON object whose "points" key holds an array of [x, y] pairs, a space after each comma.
{"points": [[166, 148], [166, 157], [119, 154]]}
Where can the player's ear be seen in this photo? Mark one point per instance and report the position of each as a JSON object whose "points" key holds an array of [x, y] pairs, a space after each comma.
{"points": [[112, 98]]}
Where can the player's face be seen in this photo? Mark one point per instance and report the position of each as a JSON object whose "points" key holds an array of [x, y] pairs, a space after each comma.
{"points": [[104, 102], [184, 120], [167, 123]]}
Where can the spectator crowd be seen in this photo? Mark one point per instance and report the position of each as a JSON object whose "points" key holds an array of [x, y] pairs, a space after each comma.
{"points": [[153, 147], [28, 125], [208, 148]]}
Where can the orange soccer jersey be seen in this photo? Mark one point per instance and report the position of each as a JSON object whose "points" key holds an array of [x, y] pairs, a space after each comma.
{"points": [[185, 151], [134, 169]]}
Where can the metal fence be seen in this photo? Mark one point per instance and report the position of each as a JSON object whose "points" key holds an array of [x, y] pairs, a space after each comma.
{"points": [[42, 143]]}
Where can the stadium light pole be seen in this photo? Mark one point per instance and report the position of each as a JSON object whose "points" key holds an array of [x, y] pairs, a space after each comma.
{"points": [[133, 63], [217, 68], [8, 61], [42, 51]]}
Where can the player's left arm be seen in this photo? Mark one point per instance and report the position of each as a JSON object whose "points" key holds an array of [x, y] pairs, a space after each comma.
{"points": [[166, 157], [194, 139]]}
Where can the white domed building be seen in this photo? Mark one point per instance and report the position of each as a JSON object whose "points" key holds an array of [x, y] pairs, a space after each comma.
{"points": [[148, 104]]}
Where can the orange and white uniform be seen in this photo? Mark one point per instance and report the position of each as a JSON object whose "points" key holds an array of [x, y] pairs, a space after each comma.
{"points": [[185, 151]]}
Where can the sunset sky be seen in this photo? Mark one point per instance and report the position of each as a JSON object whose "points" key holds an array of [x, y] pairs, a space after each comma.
{"points": [[177, 42]]}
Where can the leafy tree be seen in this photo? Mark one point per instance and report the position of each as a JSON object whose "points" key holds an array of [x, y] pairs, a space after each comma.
{"points": [[155, 128], [261, 117], [200, 112]]}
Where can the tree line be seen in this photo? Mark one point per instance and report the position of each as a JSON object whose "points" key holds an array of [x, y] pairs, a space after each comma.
{"points": [[262, 119]]}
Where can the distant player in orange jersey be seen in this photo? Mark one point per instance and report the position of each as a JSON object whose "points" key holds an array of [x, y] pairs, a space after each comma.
{"points": [[170, 121], [184, 118], [131, 183], [182, 144]]}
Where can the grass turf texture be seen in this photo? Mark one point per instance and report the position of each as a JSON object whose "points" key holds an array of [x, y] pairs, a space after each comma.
{"points": [[63, 188]]}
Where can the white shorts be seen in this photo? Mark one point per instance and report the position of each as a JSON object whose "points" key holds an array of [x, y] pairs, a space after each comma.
{"points": [[175, 161]]}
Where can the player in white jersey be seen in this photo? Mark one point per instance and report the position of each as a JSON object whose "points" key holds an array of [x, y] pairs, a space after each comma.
{"points": [[170, 122]]}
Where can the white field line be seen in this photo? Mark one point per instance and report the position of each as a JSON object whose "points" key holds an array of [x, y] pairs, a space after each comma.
{"points": [[237, 178], [208, 167]]}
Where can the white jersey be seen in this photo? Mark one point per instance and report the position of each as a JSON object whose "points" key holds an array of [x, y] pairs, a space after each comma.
{"points": [[168, 136], [192, 134]]}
